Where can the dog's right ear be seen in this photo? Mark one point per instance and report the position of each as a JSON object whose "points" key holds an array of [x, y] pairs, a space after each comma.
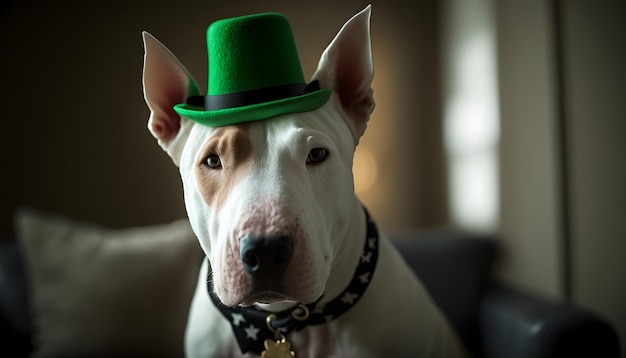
{"points": [[166, 83]]}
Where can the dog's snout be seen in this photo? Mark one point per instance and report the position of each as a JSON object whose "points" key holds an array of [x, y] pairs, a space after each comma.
{"points": [[265, 255]]}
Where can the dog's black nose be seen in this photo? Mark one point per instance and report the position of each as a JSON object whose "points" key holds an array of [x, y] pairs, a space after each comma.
{"points": [[265, 255]]}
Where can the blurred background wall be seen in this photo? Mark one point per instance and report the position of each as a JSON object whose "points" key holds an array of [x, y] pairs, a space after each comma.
{"points": [[76, 120], [504, 117], [562, 153]]}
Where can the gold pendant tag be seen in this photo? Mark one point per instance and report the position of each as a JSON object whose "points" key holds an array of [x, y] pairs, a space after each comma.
{"points": [[281, 348]]}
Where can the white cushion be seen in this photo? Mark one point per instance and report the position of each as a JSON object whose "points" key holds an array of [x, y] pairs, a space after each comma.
{"points": [[104, 292]]}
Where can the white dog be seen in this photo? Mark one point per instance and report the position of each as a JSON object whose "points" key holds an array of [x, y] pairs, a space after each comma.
{"points": [[295, 263]]}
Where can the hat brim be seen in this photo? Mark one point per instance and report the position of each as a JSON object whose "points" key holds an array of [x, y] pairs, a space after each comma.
{"points": [[254, 112]]}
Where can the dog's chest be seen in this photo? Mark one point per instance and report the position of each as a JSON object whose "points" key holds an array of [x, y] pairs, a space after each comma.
{"points": [[311, 342]]}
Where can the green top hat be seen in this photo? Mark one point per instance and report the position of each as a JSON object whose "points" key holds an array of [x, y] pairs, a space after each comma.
{"points": [[254, 74]]}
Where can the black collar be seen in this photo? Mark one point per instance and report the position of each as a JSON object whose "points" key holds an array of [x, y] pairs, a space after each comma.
{"points": [[251, 325]]}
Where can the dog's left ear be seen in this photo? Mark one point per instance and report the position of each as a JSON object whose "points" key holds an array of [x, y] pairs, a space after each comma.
{"points": [[346, 67]]}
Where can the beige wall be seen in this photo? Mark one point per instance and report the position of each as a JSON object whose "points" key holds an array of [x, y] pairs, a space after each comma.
{"points": [[595, 60], [530, 216], [575, 251]]}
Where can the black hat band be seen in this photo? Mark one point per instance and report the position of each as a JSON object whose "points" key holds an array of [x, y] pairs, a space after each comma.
{"points": [[255, 96]]}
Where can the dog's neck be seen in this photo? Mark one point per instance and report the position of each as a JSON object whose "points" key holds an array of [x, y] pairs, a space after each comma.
{"points": [[337, 300]]}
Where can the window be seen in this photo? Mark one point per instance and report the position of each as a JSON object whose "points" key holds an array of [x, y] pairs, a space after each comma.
{"points": [[471, 113]]}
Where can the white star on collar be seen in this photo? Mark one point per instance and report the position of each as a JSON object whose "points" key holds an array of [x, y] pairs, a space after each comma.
{"points": [[366, 257], [319, 309], [348, 298], [238, 318], [365, 278], [251, 332], [371, 242]]}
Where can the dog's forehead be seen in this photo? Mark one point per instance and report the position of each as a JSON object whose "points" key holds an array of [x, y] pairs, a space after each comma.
{"points": [[289, 131], [230, 138], [325, 126]]}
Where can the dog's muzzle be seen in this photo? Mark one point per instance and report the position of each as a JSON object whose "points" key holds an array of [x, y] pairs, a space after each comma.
{"points": [[266, 252]]}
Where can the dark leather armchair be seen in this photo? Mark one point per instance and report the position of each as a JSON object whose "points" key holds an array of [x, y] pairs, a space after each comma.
{"points": [[495, 321]]}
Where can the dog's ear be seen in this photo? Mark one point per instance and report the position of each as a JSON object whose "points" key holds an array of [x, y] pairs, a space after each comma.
{"points": [[346, 67], [166, 83]]}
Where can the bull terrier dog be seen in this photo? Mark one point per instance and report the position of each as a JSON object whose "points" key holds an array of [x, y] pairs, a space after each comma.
{"points": [[295, 266]]}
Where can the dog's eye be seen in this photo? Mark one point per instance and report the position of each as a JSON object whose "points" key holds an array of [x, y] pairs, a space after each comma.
{"points": [[213, 161], [316, 155]]}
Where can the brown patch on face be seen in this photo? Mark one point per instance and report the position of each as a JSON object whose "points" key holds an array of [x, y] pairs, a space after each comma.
{"points": [[233, 146]]}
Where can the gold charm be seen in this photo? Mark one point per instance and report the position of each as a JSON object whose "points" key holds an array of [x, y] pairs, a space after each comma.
{"points": [[277, 349], [280, 348]]}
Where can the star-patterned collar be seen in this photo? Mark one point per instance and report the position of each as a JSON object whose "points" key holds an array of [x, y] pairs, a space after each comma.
{"points": [[249, 324]]}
